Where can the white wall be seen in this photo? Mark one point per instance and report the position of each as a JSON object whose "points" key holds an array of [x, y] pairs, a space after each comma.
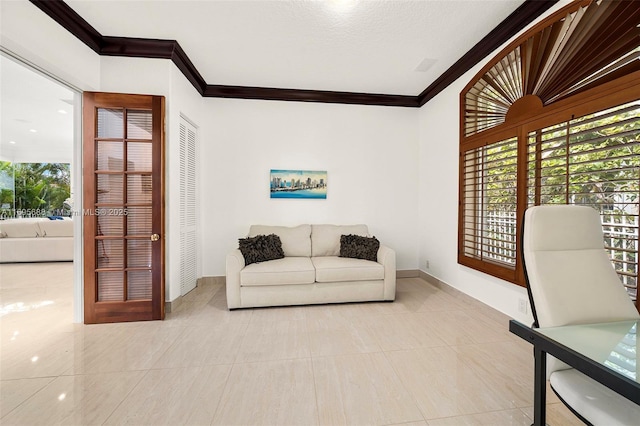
{"points": [[370, 154], [395, 169], [438, 208], [439, 150], [160, 77], [186, 101], [30, 34]]}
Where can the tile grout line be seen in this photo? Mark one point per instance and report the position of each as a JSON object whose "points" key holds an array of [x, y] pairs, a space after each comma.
{"points": [[134, 387]]}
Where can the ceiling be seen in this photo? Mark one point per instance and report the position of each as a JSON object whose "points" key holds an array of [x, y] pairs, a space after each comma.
{"points": [[36, 115], [394, 47]]}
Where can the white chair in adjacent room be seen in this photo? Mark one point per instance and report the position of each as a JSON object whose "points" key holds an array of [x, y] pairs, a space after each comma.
{"points": [[571, 280]]}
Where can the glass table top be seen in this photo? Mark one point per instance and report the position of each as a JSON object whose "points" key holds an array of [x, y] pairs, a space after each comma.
{"points": [[612, 344]]}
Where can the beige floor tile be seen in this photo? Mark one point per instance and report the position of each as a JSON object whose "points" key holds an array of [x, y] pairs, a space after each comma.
{"points": [[333, 311], [493, 316], [75, 400], [463, 327], [275, 314], [506, 366], [173, 397], [438, 300], [443, 384], [340, 336], [203, 345], [273, 340], [32, 356], [55, 318], [402, 305], [409, 300], [26, 275], [121, 347], [361, 389], [269, 393], [403, 331], [214, 312], [38, 298], [15, 392], [202, 293], [513, 417], [557, 415], [411, 284], [449, 359]]}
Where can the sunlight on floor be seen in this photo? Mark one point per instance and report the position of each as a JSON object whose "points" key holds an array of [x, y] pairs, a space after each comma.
{"points": [[433, 357]]}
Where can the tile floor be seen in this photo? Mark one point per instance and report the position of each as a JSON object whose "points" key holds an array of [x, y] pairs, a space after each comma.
{"points": [[433, 357]]}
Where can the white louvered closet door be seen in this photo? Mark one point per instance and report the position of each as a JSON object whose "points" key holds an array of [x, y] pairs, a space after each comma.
{"points": [[188, 210]]}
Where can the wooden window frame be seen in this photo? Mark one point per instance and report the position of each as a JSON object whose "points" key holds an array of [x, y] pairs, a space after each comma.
{"points": [[623, 90], [547, 76]]}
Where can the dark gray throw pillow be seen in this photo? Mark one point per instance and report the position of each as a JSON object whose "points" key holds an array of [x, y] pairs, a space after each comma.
{"points": [[261, 248], [358, 247]]}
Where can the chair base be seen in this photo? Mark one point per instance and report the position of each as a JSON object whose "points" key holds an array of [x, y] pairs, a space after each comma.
{"points": [[592, 402]]}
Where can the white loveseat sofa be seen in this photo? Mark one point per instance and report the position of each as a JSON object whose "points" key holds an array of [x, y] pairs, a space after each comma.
{"points": [[311, 271], [36, 240]]}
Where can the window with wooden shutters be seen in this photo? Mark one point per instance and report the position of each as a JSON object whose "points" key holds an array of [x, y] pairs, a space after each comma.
{"points": [[594, 161], [489, 187], [554, 118]]}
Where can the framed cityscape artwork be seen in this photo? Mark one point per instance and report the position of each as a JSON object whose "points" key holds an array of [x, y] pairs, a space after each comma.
{"points": [[298, 184]]}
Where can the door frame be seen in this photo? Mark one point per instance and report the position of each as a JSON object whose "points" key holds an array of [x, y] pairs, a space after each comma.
{"points": [[78, 202], [138, 310], [76, 178]]}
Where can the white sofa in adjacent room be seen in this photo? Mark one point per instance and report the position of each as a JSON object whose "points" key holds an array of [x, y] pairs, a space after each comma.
{"points": [[36, 240], [312, 272]]}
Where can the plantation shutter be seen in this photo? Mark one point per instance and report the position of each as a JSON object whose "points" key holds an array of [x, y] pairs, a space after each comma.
{"points": [[489, 182], [588, 44], [522, 145], [188, 208], [594, 161]]}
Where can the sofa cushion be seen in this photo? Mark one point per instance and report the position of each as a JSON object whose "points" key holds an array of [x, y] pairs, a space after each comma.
{"points": [[56, 228], [333, 269], [357, 247], [20, 228], [290, 270], [325, 239], [260, 248], [296, 241]]}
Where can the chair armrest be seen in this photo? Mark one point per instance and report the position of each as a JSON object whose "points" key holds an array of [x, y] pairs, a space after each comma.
{"points": [[387, 258], [235, 263]]}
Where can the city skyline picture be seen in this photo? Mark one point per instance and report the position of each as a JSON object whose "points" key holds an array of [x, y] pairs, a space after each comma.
{"points": [[298, 184]]}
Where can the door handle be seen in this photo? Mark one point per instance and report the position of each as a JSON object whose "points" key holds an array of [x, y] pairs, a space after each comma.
{"points": [[155, 237]]}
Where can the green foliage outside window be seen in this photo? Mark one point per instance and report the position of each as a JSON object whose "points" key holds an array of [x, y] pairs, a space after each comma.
{"points": [[592, 160], [34, 186], [601, 168]]}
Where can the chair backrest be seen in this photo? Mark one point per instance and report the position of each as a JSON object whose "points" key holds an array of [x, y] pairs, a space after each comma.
{"points": [[570, 277]]}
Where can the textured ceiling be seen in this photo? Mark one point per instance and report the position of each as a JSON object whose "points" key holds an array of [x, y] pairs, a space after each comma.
{"points": [[393, 47]]}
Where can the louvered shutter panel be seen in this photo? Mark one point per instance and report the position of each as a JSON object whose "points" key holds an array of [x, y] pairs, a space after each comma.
{"points": [[188, 208]]}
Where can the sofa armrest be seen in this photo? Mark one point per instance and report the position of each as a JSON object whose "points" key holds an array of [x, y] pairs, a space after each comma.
{"points": [[387, 258], [235, 263]]}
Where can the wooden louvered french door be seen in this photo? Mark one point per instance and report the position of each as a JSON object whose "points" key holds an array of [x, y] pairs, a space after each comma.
{"points": [[123, 191]]}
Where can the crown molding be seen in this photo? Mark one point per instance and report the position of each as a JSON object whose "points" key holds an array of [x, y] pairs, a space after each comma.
{"points": [[267, 93], [528, 12], [69, 19]]}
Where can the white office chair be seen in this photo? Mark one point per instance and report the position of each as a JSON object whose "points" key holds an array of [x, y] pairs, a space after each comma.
{"points": [[570, 280]]}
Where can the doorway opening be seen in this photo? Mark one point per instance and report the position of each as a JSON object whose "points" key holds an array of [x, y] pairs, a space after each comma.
{"points": [[40, 190]]}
